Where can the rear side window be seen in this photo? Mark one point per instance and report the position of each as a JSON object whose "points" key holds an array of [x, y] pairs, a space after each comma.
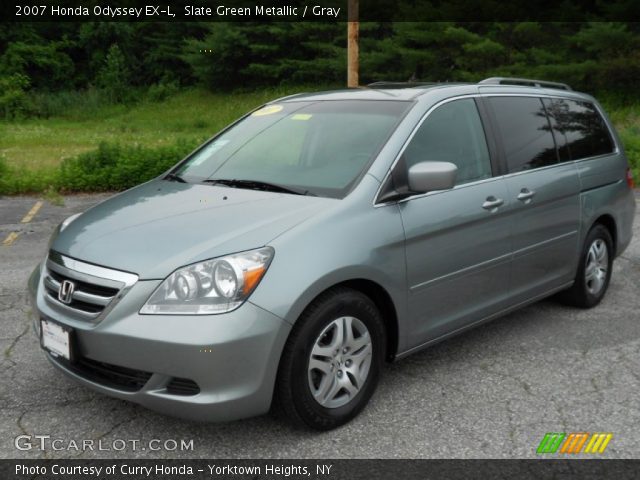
{"points": [[525, 132], [579, 129], [453, 133]]}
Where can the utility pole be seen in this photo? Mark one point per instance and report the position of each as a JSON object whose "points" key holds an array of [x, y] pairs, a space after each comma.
{"points": [[353, 26]]}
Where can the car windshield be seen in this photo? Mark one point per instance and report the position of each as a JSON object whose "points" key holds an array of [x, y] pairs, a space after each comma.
{"points": [[317, 147]]}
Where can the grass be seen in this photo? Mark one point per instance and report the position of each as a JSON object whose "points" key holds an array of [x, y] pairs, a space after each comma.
{"points": [[33, 150], [53, 197], [192, 115]]}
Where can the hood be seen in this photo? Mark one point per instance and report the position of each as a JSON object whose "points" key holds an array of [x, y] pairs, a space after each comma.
{"points": [[159, 226]]}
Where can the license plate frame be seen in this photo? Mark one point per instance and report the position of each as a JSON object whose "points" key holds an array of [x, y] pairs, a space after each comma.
{"points": [[56, 339]]}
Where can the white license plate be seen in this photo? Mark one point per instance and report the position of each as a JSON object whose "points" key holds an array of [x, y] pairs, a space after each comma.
{"points": [[56, 339]]}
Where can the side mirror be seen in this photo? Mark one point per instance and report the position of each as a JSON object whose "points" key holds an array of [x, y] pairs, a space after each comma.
{"points": [[428, 176]]}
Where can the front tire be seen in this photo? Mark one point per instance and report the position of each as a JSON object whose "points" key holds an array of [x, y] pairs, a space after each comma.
{"points": [[594, 271], [332, 360]]}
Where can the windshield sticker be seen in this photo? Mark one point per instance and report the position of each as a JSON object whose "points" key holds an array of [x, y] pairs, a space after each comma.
{"points": [[268, 110], [301, 116]]}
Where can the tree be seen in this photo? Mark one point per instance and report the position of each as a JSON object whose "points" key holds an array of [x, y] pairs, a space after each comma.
{"points": [[46, 66], [113, 77]]}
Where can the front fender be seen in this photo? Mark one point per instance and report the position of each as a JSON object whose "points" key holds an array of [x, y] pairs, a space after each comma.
{"points": [[367, 245]]}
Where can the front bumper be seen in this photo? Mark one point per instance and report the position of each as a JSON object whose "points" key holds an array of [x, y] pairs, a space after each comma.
{"points": [[233, 357]]}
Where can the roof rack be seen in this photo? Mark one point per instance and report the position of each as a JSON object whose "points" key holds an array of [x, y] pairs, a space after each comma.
{"points": [[525, 82], [399, 84]]}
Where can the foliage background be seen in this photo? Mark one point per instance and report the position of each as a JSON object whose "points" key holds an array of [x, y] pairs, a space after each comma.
{"points": [[111, 56], [66, 77]]}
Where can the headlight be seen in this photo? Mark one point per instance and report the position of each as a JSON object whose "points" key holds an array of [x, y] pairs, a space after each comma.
{"points": [[213, 286]]}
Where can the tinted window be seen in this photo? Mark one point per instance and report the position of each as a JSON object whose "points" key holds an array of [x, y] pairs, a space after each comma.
{"points": [[525, 131], [578, 128], [453, 133]]}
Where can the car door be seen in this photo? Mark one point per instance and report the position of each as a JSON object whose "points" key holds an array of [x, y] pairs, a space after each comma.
{"points": [[544, 197], [457, 241]]}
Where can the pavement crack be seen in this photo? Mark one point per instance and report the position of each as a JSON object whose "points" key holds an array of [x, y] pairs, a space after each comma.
{"points": [[113, 428], [557, 405], [20, 425], [9, 350], [523, 384], [23, 429]]}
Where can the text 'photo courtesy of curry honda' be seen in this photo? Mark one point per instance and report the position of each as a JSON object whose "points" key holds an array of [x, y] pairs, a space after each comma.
{"points": [[282, 263]]}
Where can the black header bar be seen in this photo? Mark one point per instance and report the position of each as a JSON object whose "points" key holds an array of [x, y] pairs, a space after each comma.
{"points": [[318, 10]]}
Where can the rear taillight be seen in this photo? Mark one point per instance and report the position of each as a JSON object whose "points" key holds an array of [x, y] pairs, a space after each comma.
{"points": [[630, 178]]}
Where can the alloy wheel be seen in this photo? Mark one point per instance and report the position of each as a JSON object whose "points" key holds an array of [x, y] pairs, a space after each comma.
{"points": [[339, 362], [596, 266]]}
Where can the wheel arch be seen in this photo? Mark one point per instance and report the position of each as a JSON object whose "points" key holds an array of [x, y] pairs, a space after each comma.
{"points": [[607, 221], [383, 302], [381, 298]]}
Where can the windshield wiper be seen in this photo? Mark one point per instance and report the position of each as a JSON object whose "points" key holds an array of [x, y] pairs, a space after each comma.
{"points": [[174, 177], [257, 185]]}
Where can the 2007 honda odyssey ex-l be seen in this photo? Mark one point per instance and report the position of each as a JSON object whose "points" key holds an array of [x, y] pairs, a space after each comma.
{"points": [[287, 258]]}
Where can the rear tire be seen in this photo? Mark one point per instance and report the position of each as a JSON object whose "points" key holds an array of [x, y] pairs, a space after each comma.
{"points": [[594, 270], [331, 362]]}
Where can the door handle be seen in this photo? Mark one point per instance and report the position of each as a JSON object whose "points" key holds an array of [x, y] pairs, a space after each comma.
{"points": [[492, 203], [526, 195]]}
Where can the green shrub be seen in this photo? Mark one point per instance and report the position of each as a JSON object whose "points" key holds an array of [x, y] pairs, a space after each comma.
{"points": [[110, 167], [4, 176], [14, 181], [631, 140], [163, 90], [29, 181], [13, 96], [118, 167]]}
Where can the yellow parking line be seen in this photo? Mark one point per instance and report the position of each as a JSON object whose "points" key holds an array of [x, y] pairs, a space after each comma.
{"points": [[11, 238], [32, 213]]}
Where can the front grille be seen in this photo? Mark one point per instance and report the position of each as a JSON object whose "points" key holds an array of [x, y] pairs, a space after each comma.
{"points": [[95, 288], [112, 376], [182, 386], [52, 287], [92, 289]]}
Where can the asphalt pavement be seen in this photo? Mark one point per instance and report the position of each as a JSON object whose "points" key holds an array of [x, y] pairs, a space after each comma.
{"points": [[492, 392]]}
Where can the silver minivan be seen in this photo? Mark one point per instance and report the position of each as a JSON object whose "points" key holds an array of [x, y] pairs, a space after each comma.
{"points": [[284, 261]]}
